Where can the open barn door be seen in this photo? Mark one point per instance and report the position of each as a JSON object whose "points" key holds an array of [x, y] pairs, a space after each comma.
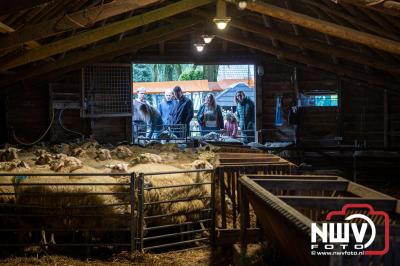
{"points": [[107, 100]]}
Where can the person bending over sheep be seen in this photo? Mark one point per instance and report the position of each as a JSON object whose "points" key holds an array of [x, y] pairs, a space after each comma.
{"points": [[153, 120]]}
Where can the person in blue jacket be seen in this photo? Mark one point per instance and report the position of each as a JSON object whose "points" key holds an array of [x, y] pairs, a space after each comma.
{"points": [[153, 120], [245, 109], [166, 106], [182, 112], [210, 116]]}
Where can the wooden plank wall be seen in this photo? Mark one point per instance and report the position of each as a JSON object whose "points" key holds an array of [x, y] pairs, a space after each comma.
{"points": [[359, 116], [69, 83], [29, 114], [394, 119], [277, 80], [3, 120]]}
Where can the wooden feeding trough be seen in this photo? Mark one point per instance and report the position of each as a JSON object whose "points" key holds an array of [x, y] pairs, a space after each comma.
{"points": [[231, 165], [286, 205]]}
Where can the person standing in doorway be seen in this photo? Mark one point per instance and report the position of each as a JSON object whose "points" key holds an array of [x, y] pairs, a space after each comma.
{"points": [[245, 109], [138, 120], [210, 116], [231, 125], [166, 106], [182, 112]]}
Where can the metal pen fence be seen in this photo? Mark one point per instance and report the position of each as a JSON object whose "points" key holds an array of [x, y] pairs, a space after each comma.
{"points": [[95, 210], [189, 211], [231, 167], [178, 132]]}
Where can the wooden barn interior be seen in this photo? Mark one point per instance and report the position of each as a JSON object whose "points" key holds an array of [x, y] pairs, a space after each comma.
{"points": [[350, 48]]}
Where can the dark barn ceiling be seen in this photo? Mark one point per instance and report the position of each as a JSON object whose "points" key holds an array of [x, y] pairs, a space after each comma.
{"points": [[357, 39]]}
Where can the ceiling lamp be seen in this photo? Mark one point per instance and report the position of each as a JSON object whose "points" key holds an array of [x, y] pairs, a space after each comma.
{"points": [[207, 38], [242, 5], [221, 20], [199, 47]]}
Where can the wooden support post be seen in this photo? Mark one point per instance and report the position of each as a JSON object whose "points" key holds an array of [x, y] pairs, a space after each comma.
{"points": [[385, 119], [101, 33], [222, 196], [244, 220], [326, 27]]}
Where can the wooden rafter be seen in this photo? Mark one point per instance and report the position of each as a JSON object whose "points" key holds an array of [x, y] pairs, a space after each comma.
{"points": [[14, 6], [389, 59], [106, 51], [81, 19], [387, 7], [355, 20], [28, 45], [7, 29], [102, 33], [326, 27], [296, 57], [296, 29], [317, 46]]}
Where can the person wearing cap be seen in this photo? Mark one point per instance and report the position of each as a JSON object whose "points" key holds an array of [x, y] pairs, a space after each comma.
{"points": [[182, 112], [138, 120], [166, 106]]}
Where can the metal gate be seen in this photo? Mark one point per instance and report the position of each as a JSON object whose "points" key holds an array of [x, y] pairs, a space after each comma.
{"points": [[175, 215], [101, 210]]}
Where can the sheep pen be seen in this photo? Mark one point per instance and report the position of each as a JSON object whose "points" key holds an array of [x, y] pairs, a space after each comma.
{"points": [[75, 198]]}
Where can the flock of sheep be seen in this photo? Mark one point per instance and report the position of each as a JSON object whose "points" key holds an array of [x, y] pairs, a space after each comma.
{"points": [[81, 200]]}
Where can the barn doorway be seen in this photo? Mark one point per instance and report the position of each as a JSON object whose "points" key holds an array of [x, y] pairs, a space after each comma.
{"points": [[222, 81]]}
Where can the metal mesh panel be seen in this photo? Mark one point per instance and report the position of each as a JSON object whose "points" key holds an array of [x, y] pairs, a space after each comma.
{"points": [[107, 90]]}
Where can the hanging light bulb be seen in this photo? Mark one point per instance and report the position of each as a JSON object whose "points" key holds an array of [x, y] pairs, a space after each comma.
{"points": [[242, 5], [199, 47], [221, 20], [207, 38]]}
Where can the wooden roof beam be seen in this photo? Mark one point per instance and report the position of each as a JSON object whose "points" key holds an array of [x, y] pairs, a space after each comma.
{"points": [[296, 57], [317, 46], [106, 51], [326, 27], [81, 19], [296, 29], [14, 6], [28, 45], [387, 7], [354, 20], [97, 34]]}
